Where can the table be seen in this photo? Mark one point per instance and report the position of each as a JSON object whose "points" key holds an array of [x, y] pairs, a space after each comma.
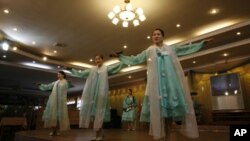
{"points": [[11, 122]]}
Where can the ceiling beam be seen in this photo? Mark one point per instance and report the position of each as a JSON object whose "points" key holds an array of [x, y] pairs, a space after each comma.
{"points": [[216, 49], [223, 61], [214, 33]]}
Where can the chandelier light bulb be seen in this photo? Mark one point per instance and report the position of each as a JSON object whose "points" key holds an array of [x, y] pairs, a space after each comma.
{"points": [[115, 21], [129, 7], [111, 15], [142, 18], [136, 23], [117, 9], [139, 11], [125, 24]]}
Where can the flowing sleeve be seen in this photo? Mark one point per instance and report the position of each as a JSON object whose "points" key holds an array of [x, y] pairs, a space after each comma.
{"points": [[113, 69], [69, 85], [188, 49], [81, 74], [134, 60], [46, 87]]}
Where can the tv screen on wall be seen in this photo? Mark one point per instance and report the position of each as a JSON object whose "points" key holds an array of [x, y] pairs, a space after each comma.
{"points": [[226, 84]]}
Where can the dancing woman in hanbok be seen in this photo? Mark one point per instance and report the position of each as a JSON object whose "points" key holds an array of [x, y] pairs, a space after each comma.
{"points": [[95, 98], [129, 110], [167, 93], [55, 115]]}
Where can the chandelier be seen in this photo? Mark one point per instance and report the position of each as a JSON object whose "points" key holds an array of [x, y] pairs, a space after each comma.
{"points": [[127, 15]]}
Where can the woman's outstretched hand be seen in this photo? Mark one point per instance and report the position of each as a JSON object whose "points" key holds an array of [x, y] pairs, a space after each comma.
{"points": [[67, 68], [208, 40], [37, 84], [115, 54]]}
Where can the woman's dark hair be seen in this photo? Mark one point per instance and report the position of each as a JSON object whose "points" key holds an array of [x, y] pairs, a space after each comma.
{"points": [[130, 90], [162, 32], [100, 55], [62, 73]]}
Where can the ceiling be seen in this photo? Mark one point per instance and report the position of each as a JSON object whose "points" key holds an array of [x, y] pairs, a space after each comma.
{"points": [[78, 30]]}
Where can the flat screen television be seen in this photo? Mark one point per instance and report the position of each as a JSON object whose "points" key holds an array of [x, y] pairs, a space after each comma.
{"points": [[225, 84]]}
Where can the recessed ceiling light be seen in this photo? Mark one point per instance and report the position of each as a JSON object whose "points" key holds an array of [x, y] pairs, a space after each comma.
{"points": [[148, 37], [238, 33], [4, 56], [45, 58], [129, 77], [14, 48], [213, 11], [91, 60], [5, 46], [14, 29], [125, 46], [194, 62], [33, 42], [178, 25], [55, 51], [225, 54], [58, 67], [226, 93], [6, 11]]}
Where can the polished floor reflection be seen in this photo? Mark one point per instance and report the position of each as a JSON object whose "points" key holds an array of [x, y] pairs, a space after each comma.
{"points": [[207, 133], [83, 135]]}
